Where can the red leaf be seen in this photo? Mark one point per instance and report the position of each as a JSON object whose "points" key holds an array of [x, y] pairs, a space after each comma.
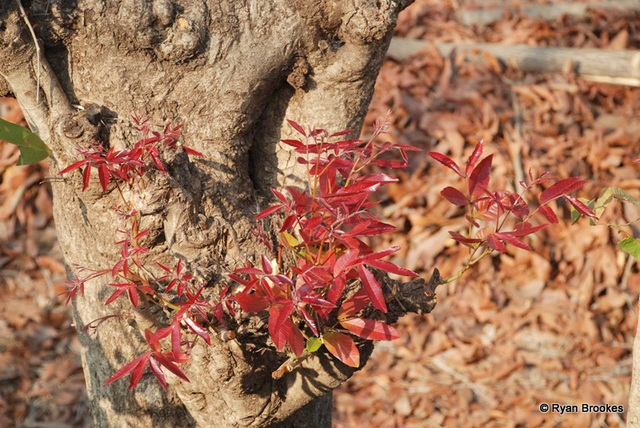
{"points": [[296, 340], [288, 222], [345, 261], [342, 347], [294, 143], [73, 166], [448, 162], [170, 366], [495, 243], [254, 301], [524, 229], [266, 265], [103, 175], [370, 329], [477, 152], [561, 188], [548, 213], [378, 178], [309, 320], [454, 196], [509, 238], [198, 329], [463, 239], [580, 207], [372, 287], [158, 373], [128, 367], [176, 337], [268, 211], [249, 271], [479, 178], [191, 151], [136, 373], [387, 266], [340, 133], [353, 305], [371, 228], [280, 324], [86, 174], [297, 127]]}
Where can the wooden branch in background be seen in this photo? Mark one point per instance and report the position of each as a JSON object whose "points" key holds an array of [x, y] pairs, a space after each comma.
{"points": [[611, 66], [543, 11]]}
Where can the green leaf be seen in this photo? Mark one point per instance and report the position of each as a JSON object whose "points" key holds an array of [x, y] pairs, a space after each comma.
{"points": [[610, 193], [32, 148], [313, 344], [630, 245]]}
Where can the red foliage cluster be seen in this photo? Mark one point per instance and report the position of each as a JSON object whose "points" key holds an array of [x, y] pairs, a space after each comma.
{"points": [[319, 298], [126, 165], [493, 207], [323, 228]]}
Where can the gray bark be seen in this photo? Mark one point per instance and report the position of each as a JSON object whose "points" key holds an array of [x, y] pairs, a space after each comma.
{"points": [[231, 71]]}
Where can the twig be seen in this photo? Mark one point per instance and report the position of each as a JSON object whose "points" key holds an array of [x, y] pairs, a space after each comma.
{"points": [[515, 143], [37, 46], [479, 390]]}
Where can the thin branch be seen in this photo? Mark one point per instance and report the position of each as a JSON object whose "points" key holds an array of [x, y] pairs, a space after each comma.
{"points": [[35, 43]]}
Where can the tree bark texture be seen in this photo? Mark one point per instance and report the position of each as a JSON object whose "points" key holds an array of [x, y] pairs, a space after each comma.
{"points": [[231, 71]]}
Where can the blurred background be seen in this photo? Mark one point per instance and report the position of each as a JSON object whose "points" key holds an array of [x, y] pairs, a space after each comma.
{"points": [[554, 325]]}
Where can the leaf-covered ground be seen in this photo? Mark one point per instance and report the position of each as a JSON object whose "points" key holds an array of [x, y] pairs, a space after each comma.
{"points": [[520, 329]]}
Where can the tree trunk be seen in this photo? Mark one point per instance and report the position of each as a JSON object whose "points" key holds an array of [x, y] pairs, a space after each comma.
{"points": [[231, 72]]}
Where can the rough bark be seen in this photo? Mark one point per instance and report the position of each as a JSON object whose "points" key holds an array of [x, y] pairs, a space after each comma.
{"points": [[231, 71]]}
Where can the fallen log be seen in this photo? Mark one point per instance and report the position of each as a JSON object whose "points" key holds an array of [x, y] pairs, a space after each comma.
{"points": [[543, 11], [615, 66]]}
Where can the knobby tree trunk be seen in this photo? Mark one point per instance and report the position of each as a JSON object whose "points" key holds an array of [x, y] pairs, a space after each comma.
{"points": [[231, 71]]}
